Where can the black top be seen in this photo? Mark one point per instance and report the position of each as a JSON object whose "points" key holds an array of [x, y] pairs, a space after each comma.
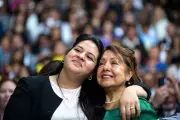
{"points": [[34, 99]]}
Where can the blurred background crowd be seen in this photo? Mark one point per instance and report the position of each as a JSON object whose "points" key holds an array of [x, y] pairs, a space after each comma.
{"points": [[33, 32]]}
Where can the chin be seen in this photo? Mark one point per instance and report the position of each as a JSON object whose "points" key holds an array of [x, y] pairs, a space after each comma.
{"points": [[105, 85]]}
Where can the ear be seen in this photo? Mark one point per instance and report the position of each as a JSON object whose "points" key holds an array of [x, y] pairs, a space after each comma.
{"points": [[129, 75]]}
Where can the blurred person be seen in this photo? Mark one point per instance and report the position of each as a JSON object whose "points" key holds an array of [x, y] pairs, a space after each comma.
{"points": [[24, 72], [43, 45], [63, 87], [18, 25], [151, 80], [49, 3], [129, 18], [88, 29], [6, 90], [152, 63], [5, 50], [56, 35], [33, 20], [107, 33], [13, 70], [17, 57], [166, 43], [171, 33], [132, 41], [112, 15], [70, 25], [139, 58], [175, 50], [146, 34], [127, 5], [22, 7], [167, 97], [59, 51], [159, 23], [117, 68], [54, 18], [30, 59], [50, 18], [19, 4], [173, 70], [17, 42], [98, 15]]}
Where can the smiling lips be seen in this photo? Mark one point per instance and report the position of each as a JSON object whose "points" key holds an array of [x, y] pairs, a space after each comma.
{"points": [[77, 63], [106, 76]]}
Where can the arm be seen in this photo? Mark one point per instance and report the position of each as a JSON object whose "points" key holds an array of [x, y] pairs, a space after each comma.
{"points": [[129, 103], [19, 105]]}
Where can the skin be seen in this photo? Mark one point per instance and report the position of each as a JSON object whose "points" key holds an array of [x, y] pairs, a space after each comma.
{"points": [[79, 64], [6, 90], [112, 75]]}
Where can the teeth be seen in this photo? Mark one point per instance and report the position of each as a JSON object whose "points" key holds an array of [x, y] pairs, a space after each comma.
{"points": [[106, 76]]}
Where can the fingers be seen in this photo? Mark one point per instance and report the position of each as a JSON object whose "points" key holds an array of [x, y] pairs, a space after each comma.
{"points": [[133, 112], [138, 110], [123, 113], [128, 112]]}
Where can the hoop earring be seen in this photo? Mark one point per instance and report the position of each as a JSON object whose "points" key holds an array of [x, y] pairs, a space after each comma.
{"points": [[128, 83], [90, 77]]}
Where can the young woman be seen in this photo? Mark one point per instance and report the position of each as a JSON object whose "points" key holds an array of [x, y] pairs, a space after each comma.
{"points": [[65, 90], [117, 68]]}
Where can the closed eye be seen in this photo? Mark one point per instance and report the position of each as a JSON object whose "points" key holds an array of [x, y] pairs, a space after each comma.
{"points": [[77, 50], [90, 58]]}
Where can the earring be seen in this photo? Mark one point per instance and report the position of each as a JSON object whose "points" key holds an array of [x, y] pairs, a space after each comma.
{"points": [[90, 77], [128, 83], [62, 61]]}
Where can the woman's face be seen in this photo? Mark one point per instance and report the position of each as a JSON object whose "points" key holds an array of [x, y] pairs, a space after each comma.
{"points": [[6, 91], [112, 71], [82, 59]]}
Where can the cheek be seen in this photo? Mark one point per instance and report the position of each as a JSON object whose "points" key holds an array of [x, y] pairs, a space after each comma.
{"points": [[90, 66]]}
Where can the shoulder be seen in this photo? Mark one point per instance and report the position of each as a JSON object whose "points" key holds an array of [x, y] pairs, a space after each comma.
{"points": [[147, 110], [145, 105], [33, 79], [32, 82]]}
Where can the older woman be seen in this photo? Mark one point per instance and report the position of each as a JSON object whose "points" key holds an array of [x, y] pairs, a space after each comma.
{"points": [[117, 68]]}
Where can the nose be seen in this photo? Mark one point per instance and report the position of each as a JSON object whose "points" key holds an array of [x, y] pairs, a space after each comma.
{"points": [[106, 66], [82, 56]]}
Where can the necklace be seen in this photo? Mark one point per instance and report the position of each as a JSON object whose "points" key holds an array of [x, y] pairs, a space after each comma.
{"points": [[108, 102], [57, 80]]}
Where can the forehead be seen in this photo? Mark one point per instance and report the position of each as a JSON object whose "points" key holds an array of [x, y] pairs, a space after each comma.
{"points": [[7, 84], [108, 54], [89, 46]]}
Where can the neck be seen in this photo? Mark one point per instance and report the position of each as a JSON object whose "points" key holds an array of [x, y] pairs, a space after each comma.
{"points": [[112, 97], [68, 81]]}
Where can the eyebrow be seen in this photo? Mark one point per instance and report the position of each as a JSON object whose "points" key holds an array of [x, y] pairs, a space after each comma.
{"points": [[114, 58], [88, 52]]}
